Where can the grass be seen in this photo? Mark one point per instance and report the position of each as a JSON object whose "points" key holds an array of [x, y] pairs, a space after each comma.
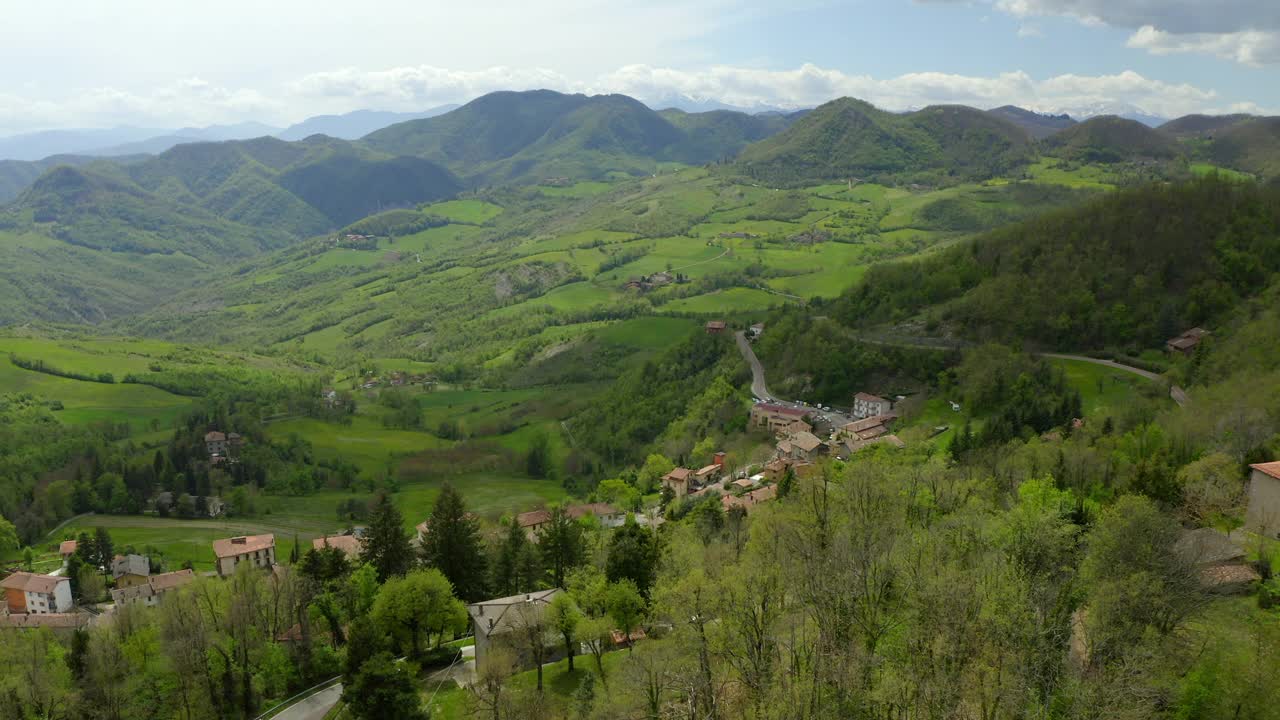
{"points": [[142, 406], [451, 702], [474, 212], [726, 301], [1103, 390], [181, 541], [364, 442]]}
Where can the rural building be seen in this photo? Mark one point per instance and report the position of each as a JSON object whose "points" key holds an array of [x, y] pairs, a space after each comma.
{"points": [[749, 501], [803, 446], [62, 624], [34, 594], [130, 569], [533, 521], [774, 417], [260, 550], [67, 549], [1263, 515], [715, 327], [677, 481], [866, 405], [867, 428], [1187, 342], [348, 544], [853, 445], [494, 621], [708, 475], [149, 593], [1219, 562], [609, 516], [756, 330], [222, 445], [775, 469]]}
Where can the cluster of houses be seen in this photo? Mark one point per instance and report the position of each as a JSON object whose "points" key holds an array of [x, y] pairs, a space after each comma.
{"points": [[397, 378], [650, 282]]}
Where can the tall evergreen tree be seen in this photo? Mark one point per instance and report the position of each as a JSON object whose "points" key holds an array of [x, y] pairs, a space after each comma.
{"points": [[452, 544], [561, 543], [633, 555], [506, 579], [104, 549], [386, 547]]}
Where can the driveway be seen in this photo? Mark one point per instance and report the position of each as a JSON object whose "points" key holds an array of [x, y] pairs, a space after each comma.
{"points": [[314, 707]]}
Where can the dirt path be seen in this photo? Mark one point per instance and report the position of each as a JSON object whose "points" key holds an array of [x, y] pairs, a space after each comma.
{"points": [[701, 262]]}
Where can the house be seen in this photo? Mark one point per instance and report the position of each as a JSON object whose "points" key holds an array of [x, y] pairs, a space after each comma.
{"points": [[853, 445], [495, 621], [867, 428], [260, 550], [67, 548], [795, 426], [661, 278], [1187, 342], [1219, 562], [774, 417], [215, 443], [214, 506], [775, 469], [1263, 515], [62, 624], [756, 330], [802, 446], [715, 327], [677, 481], [155, 587], [34, 594], [866, 405], [348, 544], [749, 501], [128, 570], [608, 515], [533, 521], [708, 475]]}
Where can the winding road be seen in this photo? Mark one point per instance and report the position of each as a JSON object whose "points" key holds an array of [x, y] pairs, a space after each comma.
{"points": [[312, 707]]}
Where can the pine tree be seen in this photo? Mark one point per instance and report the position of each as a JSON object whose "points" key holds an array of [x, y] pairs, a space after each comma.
{"points": [[786, 482], [386, 547], [452, 545], [633, 555], [506, 566], [104, 549], [561, 544]]}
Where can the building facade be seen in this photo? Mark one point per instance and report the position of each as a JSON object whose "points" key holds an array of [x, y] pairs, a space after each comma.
{"points": [[34, 594], [260, 550]]}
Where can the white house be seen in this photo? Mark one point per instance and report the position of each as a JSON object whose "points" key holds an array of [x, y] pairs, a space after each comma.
{"points": [[33, 594], [495, 620], [257, 549], [1263, 515], [866, 405]]}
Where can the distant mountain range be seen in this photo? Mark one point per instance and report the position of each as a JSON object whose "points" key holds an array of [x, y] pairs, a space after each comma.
{"points": [[354, 125]]}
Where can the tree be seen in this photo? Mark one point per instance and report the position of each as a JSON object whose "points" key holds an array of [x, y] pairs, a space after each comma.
{"points": [[651, 473], [384, 690], [633, 555], [560, 541], [1135, 578], [386, 546], [538, 461], [506, 579], [421, 601], [626, 607], [564, 617], [787, 482], [452, 544], [8, 537], [531, 628], [104, 549], [75, 564]]}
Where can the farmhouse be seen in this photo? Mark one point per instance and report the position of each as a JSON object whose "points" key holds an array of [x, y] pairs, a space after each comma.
{"points": [[128, 570], [715, 327], [866, 405], [495, 621], [749, 501], [1263, 515], [260, 550], [677, 481], [348, 544], [149, 593], [867, 428], [775, 417], [804, 446], [34, 594], [67, 549], [609, 516], [1187, 342], [853, 445]]}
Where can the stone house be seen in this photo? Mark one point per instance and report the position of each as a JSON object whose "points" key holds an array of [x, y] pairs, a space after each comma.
{"points": [[260, 550], [677, 481], [155, 587], [496, 621], [128, 570]]}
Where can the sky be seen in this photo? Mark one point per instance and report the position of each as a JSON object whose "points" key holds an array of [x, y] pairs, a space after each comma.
{"points": [[165, 64]]}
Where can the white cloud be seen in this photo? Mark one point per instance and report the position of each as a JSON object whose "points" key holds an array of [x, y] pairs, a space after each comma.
{"points": [[1250, 47], [194, 101], [1246, 31]]}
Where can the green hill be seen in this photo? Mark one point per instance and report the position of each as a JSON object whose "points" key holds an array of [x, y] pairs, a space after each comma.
{"points": [[1189, 126], [1252, 146], [1111, 139], [521, 136], [850, 138], [1038, 125], [1128, 269]]}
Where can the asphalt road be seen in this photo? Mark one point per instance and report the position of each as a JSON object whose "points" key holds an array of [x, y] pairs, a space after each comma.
{"points": [[760, 389], [314, 707]]}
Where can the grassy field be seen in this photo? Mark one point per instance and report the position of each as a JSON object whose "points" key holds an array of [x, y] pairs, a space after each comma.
{"points": [[731, 300], [181, 541], [448, 701], [1103, 390], [364, 442]]}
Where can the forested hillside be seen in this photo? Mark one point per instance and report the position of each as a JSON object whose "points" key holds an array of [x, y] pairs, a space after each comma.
{"points": [[1128, 269]]}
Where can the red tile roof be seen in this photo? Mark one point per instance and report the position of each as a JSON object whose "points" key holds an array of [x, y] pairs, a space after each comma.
{"points": [[231, 547], [31, 582], [868, 397], [49, 620], [170, 580], [348, 544], [1271, 468], [67, 547], [679, 474], [533, 517]]}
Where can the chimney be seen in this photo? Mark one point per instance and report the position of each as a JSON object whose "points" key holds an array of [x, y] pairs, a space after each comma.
{"points": [[239, 540], [481, 607], [719, 459]]}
